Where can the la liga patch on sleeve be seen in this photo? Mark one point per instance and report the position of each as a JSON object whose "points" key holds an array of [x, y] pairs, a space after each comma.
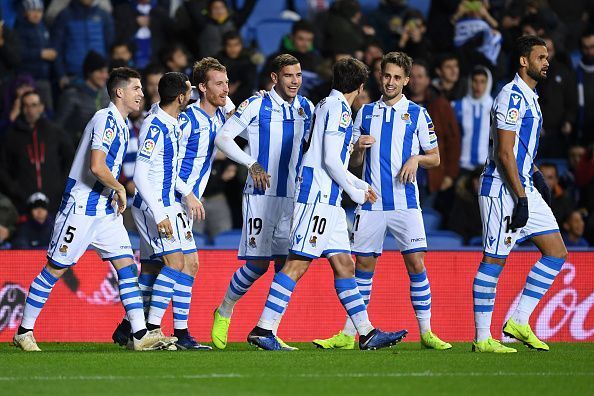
{"points": [[345, 119], [147, 148], [512, 116]]}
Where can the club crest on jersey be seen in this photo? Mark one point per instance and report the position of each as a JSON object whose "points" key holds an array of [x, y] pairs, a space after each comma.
{"points": [[406, 118], [252, 243], [345, 119], [301, 112], [147, 147], [512, 116], [243, 105], [313, 241], [108, 136]]}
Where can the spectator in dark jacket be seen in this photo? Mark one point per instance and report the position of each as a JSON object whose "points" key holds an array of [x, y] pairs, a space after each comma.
{"points": [[585, 84], [79, 28], [79, 102], [10, 52], [464, 216], [35, 156], [36, 232], [144, 24], [561, 203], [38, 56], [449, 81], [344, 30], [388, 20], [8, 219], [414, 40], [240, 68]]}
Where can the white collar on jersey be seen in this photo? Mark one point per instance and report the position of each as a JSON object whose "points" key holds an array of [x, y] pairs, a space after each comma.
{"points": [[528, 93], [402, 103], [118, 116], [280, 101], [340, 96], [163, 116]]}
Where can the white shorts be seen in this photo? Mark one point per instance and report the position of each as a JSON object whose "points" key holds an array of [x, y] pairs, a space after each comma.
{"points": [[496, 214], [319, 229], [74, 233], [266, 226], [152, 244], [371, 227]]}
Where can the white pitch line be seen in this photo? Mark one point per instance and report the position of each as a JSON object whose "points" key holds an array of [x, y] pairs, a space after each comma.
{"points": [[313, 375]]}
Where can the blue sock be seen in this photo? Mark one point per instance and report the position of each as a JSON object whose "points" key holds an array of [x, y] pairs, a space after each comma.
{"points": [[39, 292], [484, 289], [162, 293], [353, 303], [145, 283], [182, 297], [278, 298], [241, 281], [131, 297], [420, 296]]}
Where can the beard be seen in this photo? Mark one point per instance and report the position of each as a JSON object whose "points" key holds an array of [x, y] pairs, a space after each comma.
{"points": [[536, 75], [392, 96]]}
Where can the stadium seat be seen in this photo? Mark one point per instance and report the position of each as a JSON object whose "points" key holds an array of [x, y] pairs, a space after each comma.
{"points": [[476, 241], [201, 240], [134, 240], [432, 220], [228, 239], [262, 11], [369, 5], [269, 32], [444, 240], [421, 5]]}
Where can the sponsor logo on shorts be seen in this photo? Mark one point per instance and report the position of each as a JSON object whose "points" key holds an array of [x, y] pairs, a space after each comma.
{"points": [[252, 243], [491, 240], [313, 241], [417, 239], [298, 239]]}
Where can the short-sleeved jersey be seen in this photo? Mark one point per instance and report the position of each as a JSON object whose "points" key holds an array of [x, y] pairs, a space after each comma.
{"points": [[400, 131], [196, 146], [515, 109], [107, 131], [474, 120], [276, 131], [158, 145], [331, 116]]}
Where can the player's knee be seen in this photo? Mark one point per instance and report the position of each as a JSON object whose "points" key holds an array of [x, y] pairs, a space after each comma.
{"points": [[55, 270], [295, 269], [191, 267]]}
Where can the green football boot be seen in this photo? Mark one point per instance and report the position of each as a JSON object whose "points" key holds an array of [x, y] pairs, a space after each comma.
{"points": [[220, 330], [491, 345], [338, 341], [431, 341], [524, 334]]}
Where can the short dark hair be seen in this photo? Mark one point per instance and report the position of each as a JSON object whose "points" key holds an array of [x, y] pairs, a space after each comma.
{"points": [[349, 74], [587, 33], [202, 67], [302, 25], [443, 58], [479, 71], [32, 92], [549, 165], [423, 63], [524, 45], [399, 59], [168, 51], [281, 61], [119, 78], [171, 85], [153, 68], [231, 35]]}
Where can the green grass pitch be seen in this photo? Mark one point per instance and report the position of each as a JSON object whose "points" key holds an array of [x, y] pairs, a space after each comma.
{"points": [[84, 369]]}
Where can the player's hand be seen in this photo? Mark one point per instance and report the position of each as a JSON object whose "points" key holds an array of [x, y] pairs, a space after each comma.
{"points": [[165, 229], [408, 172], [120, 198], [520, 215], [364, 142], [260, 177], [194, 207], [370, 196]]}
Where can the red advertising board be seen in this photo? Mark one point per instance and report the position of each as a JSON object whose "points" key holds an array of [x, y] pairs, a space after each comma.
{"points": [[85, 305]]}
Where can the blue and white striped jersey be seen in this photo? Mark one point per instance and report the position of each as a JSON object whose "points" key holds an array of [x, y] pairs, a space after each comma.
{"points": [[400, 131], [474, 119], [107, 131], [332, 116], [196, 146], [158, 147], [515, 109], [276, 131]]}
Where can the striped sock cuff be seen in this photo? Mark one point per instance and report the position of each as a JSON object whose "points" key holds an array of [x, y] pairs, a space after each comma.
{"points": [[285, 281], [49, 278], [171, 273], [493, 270], [363, 274], [254, 268], [127, 272], [345, 284], [554, 263], [146, 279], [185, 279], [418, 277]]}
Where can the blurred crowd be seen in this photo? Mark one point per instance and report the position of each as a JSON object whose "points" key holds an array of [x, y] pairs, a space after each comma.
{"points": [[55, 56]]}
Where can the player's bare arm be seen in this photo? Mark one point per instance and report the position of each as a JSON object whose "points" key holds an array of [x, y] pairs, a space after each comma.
{"points": [[408, 172], [103, 174], [364, 142]]}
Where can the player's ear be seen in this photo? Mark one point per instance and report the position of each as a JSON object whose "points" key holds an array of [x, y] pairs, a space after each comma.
{"points": [[202, 88], [274, 77], [406, 79], [524, 61]]}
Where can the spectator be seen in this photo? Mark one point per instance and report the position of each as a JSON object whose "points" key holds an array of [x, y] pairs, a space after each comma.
{"points": [[152, 75], [448, 80], [80, 28], [561, 202], [464, 217], [558, 101], [241, 71], [35, 156], [389, 23], [361, 99], [374, 82], [420, 91], [585, 85], [413, 40], [473, 113], [36, 232], [144, 24], [344, 31], [573, 230], [10, 52], [38, 56], [474, 23], [121, 54], [567, 180], [8, 219], [175, 59], [14, 93], [373, 50], [79, 102]]}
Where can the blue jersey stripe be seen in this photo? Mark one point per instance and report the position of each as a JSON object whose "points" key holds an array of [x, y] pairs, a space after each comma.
{"points": [[69, 186], [191, 147], [523, 142], [285, 156], [306, 129], [335, 190], [386, 177], [409, 188], [168, 165], [367, 116], [305, 186], [538, 130], [206, 165], [264, 117], [93, 200], [476, 133]]}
